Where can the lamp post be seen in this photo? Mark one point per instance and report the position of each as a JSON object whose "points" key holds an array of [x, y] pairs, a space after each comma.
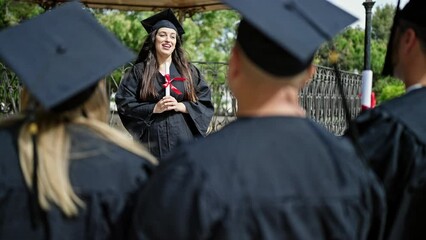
{"points": [[368, 5], [367, 74]]}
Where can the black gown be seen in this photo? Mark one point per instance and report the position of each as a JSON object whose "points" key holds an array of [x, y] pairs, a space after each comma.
{"points": [[393, 137], [162, 132], [263, 178], [105, 176]]}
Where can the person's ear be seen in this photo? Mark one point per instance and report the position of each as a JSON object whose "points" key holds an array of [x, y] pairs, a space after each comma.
{"points": [[310, 72], [312, 69], [234, 68], [409, 40]]}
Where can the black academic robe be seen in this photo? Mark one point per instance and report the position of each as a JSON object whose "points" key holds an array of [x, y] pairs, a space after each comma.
{"points": [[393, 138], [162, 132], [262, 178], [105, 176]]}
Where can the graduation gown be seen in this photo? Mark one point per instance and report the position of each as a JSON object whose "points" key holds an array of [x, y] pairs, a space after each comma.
{"points": [[105, 176], [263, 178], [162, 132], [393, 137]]}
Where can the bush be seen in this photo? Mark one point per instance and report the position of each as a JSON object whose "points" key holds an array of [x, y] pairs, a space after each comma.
{"points": [[388, 88]]}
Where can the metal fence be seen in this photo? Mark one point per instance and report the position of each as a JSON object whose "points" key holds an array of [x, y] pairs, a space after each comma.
{"points": [[9, 92], [319, 98], [323, 103]]}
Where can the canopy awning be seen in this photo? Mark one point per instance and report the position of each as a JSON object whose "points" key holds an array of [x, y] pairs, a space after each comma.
{"points": [[148, 5]]}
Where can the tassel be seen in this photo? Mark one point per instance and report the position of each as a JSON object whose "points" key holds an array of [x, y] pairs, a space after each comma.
{"points": [[35, 209]]}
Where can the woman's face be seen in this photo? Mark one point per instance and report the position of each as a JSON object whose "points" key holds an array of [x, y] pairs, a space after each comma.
{"points": [[165, 41]]}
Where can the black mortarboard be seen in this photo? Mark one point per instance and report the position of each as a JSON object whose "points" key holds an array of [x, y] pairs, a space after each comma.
{"points": [[61, 54], [413, 12], [282, 36], [166, 19]]}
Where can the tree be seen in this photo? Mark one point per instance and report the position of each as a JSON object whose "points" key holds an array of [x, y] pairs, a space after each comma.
{"points": [[13, 12], [382, 21], [350, 45], [125, 25], [210, 35], [385, 87], [388, 88]]}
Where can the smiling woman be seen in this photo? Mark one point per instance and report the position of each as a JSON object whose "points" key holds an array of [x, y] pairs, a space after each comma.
{"points": [[165, 41], [164, 99]]}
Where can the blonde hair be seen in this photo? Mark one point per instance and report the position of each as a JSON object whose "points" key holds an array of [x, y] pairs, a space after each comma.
{"points": [[53, 148]]}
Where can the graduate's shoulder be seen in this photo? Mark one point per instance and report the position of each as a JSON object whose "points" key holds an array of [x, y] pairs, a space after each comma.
{"points": [[407, 104], [405, 113], [208, 152], [139, 65], [93, 155], [243, 136]]}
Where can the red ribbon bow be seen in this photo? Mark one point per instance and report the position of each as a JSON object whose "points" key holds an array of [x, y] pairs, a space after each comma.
{"points": [[169, 83]]}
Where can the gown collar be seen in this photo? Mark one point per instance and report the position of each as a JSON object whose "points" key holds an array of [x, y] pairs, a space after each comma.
{"points": [[413, 87]]}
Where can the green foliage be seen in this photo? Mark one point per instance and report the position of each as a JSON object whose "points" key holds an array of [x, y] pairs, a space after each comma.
{"points": [[391, 91], [210, 35], [382, 22], [378, 53], [350, 45], [388, 88], [125, 25], [13, 12], [385, 88], [9, 91]]}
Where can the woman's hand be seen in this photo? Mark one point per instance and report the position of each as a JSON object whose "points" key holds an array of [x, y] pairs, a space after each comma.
{"points": [[168, 103]]}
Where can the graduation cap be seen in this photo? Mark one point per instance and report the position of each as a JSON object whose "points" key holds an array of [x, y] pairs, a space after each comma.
{"points": [[61, 55], [413, 12], [165, 19], [282, 36]]}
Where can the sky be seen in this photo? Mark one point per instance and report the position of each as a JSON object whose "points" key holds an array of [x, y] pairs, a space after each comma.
{"points": [[356, 8]]}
